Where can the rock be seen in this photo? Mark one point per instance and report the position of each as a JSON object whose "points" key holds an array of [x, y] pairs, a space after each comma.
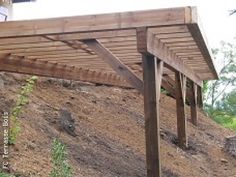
{"points": [[224, 160], [230, 145], [66, 83], [66, 122]]}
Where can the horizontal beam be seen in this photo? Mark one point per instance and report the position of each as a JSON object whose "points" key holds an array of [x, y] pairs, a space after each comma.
{"points": [[148, 43], [23, 65], [113, 21], [116, 64]]}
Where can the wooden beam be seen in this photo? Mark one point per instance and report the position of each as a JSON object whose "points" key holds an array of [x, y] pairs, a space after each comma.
{"points": [[197, 32], [88, 23], [180, 89], [73, 44], [40, 68], [149, 44], [193, 105], [106, 35], [116, 64], [171, 82], [157, 48], [152, 74], [200, 97]]}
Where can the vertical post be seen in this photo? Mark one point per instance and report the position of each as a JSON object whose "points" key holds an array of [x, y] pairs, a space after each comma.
{"points": [[194, 113], [180, 107], [152, 76], [199, 97]]}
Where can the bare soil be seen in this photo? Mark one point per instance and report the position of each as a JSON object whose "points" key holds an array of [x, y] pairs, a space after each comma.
{"points": [[108, 139]]}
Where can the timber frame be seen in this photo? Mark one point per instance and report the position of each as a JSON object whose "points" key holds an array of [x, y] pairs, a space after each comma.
{"points": [[145, 50]]}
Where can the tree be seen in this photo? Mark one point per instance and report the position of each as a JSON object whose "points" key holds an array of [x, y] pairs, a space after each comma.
{"points": [[226, 56], [228, 103], [220, 96]]}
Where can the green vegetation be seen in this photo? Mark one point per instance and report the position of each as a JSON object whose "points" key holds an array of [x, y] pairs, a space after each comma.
{"points": [[18, 108], [61, 168], [2, 174], [219, 95]]}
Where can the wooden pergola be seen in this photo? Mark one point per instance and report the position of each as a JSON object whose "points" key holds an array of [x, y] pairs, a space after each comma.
{"points": [[145, 50]]}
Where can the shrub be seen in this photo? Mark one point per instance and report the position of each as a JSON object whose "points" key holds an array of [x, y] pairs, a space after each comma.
{"points": [[18, 108], [61, 168], [2, 174]]}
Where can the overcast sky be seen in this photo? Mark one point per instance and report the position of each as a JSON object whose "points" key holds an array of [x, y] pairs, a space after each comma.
{"points": [[217, 23]]}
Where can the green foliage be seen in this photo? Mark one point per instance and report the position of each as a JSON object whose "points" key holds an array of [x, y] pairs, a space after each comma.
{"points": [[61, 168], [231, 125], [228, 103], [220, 96], [2, 174], [18, 108]]}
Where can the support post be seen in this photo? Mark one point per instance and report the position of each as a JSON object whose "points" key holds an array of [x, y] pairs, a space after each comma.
{"points": [[152, 76], [199, 97], [193, 104], [180, 89]]}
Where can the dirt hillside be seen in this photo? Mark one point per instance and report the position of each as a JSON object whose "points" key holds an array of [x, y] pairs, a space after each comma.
{"points": [[108, 140]]}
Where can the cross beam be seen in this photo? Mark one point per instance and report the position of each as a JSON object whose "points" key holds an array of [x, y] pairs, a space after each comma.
{"points": [[115, 63]]}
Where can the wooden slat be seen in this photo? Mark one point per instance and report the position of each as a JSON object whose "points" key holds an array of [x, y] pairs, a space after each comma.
{"points": [[152, 84], [169, 29], [195, 28], [155, 47], [22, 40], [94, 35]]}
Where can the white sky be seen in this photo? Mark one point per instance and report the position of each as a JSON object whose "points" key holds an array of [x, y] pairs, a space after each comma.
{"points": [[217, 23]]}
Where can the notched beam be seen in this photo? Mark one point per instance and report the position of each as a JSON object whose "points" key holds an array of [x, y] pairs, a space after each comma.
{"points": [[22, 65]]}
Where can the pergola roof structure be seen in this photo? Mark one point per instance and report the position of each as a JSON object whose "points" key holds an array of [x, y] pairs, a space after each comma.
{"points": [[166, 47]]}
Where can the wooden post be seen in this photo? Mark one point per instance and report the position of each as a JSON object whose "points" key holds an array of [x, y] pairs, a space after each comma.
{"points": [[180, 107], [152, 76], [193, 103], [199, 97]]}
